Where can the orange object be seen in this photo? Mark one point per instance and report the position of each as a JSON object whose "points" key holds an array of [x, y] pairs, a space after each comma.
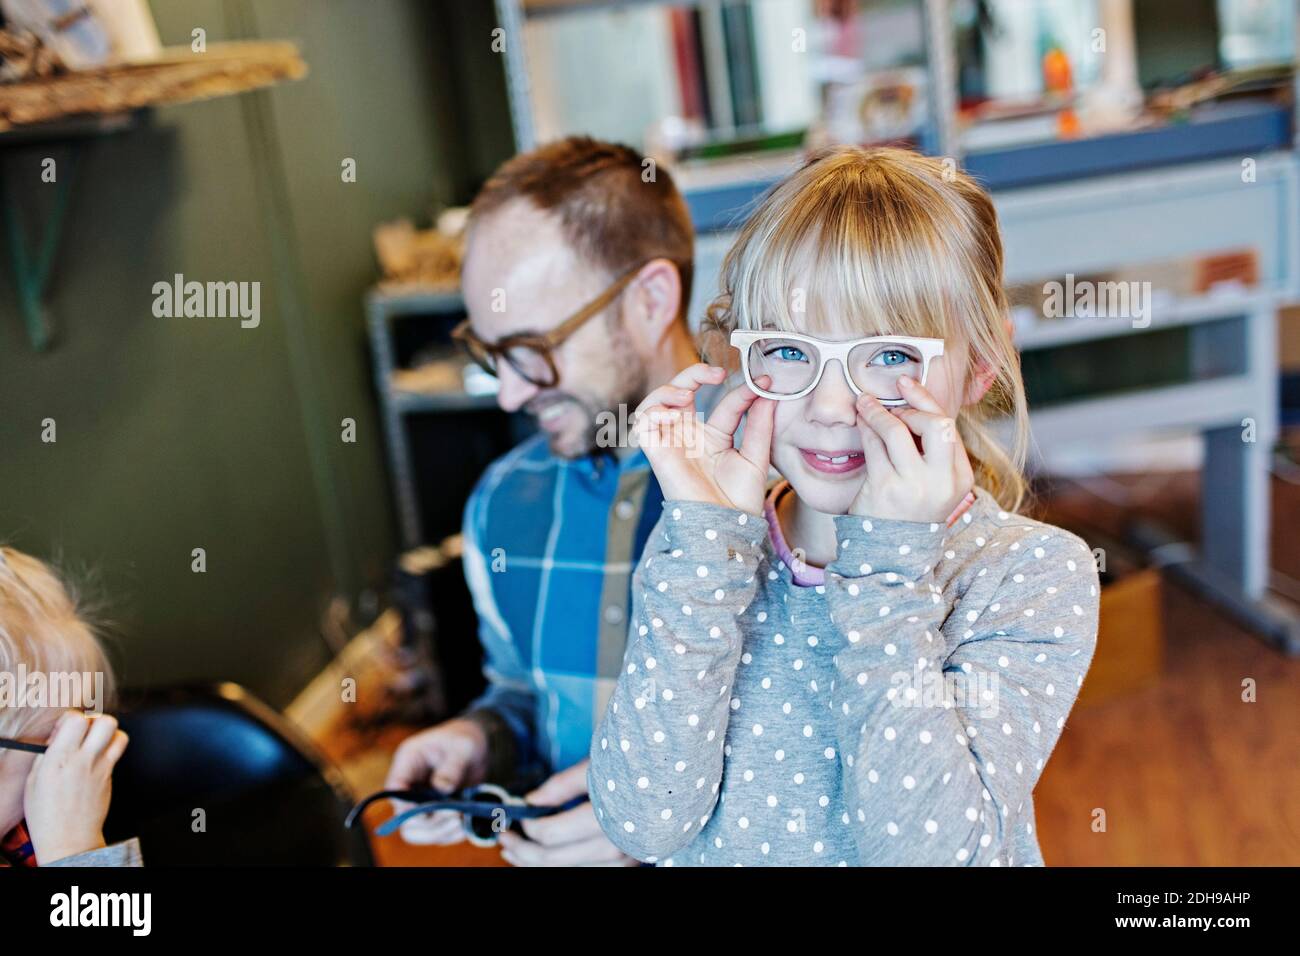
{"points": [[1067, 124], [1058, 77]]}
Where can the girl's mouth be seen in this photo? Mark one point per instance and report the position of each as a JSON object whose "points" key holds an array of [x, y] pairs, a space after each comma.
{"points": [[832, 462]]}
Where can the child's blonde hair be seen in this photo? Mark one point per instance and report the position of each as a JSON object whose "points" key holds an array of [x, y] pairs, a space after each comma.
{"points": [[43, 629], [872, 241]]}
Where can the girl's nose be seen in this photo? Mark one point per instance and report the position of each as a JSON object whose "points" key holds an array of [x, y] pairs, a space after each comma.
{"points": [[833, 402]]}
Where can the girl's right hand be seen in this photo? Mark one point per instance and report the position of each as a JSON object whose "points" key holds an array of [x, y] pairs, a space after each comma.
{"points": [[695, 460], [69, 786]]}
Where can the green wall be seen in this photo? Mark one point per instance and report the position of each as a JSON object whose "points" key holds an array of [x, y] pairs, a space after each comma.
{"points": [[181, 433]]}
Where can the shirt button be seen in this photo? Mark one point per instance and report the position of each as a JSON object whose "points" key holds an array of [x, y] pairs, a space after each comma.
{"points": [[614, 614], [625, 509]]}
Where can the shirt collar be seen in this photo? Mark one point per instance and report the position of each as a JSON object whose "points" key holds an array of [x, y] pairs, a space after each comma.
{"points": [[601, 461]]}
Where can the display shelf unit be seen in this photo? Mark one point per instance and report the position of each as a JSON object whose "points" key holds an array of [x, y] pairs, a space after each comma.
{"points": [[939, 134], [450, 412]]}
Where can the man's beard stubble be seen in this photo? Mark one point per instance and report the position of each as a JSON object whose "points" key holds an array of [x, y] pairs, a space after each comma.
{"points": [[630, 383]]}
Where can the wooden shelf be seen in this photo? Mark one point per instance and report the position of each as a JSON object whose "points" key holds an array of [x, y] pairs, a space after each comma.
{"points": [[177, 75], [71, 108]]}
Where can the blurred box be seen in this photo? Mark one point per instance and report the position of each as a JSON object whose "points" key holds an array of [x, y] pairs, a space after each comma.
{"points": [[1288, 334], [1130, 651]]}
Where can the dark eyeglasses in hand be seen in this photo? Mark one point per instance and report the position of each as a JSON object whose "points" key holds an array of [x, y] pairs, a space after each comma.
{"points": [[487, 810]]}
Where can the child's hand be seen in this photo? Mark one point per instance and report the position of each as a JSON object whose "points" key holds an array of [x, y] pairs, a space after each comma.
{"points": [[69, 786], [693, 459], [903, 482]]}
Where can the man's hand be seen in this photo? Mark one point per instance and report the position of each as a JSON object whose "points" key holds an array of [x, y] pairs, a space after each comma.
{"points": [[572, 838], [69, 787], [449, 757]]}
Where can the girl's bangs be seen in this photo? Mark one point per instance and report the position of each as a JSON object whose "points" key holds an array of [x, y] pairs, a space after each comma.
{"points": [[844, 280]]}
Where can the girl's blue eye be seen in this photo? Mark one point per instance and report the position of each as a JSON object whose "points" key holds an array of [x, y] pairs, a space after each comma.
{"points": [[788, 353], [894, 357]]}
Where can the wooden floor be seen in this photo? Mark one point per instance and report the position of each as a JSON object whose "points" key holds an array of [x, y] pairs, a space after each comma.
{"points": [[1187, 774]]}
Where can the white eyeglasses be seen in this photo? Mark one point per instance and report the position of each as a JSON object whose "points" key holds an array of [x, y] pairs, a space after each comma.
{"points": [[795, 362]]}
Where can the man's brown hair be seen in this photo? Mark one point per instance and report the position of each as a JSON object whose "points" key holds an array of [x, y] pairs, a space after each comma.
{"points": [[612, 214]]}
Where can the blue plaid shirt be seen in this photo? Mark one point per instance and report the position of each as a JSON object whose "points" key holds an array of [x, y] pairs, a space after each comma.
{"points": [[550, 545]]}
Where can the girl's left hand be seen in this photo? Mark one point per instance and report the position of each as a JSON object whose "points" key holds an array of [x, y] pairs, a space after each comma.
{"points": [[903, 482]]}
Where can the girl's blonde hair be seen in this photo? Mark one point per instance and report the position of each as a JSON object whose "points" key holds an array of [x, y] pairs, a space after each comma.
{"points": [[42, 627], [885, 241]]}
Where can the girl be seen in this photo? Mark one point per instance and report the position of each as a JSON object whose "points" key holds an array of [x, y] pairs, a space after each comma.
{"points": [[53, 805], [871, 662]]}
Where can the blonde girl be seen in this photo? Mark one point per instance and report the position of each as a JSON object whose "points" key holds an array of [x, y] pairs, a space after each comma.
{"points": [[869, 662], [53, 804]]}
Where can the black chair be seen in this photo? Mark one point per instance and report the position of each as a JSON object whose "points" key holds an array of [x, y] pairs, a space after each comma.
{"points": [[266, 796]]}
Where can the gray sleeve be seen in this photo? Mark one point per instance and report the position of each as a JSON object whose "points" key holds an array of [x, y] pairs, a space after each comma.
{"points": [[126, 853], [939, 743], [656, 758]]}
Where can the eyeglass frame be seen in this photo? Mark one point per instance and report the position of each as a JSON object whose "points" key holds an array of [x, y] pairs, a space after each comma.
{"points": [[485, 801], [743, 340], [544, 343]]}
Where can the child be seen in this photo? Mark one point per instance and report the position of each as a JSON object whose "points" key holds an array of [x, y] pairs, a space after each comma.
{"points": [[871, 663], [53, 805]]}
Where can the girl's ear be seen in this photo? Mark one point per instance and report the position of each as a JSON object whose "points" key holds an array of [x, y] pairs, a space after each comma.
{"points": [[982, 379], [980, 382]]}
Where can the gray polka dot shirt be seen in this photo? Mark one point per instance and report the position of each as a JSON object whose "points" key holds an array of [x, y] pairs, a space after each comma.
{"points": [[899, 714]]}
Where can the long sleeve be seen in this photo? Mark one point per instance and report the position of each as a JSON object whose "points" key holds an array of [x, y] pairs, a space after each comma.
{"points": [[940, 743], [657, 757], [507, 709], [124, 854]]}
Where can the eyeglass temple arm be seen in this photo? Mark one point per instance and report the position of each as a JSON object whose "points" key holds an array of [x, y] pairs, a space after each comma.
{"points": [[8, 743], [591, 308], [417, 795]]}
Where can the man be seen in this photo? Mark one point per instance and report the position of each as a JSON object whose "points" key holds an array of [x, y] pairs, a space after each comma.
{"points": [[576, 278]]}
